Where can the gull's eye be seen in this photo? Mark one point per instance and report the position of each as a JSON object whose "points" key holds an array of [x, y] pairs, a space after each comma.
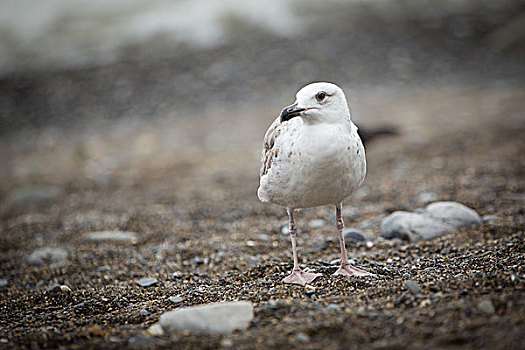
{"points": [[320, 96]]}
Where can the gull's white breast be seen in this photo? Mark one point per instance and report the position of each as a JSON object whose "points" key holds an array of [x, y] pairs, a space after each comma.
{"points": [[309, 165]]}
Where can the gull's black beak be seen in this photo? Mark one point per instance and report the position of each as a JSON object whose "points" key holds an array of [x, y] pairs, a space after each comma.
{"points": [[290, 112]]}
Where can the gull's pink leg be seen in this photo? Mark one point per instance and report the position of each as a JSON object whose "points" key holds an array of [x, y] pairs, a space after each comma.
{"points": [[346, 269], [297, 276]]}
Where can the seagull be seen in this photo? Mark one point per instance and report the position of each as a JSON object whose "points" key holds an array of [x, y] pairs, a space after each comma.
{"points": [[313, 156]]}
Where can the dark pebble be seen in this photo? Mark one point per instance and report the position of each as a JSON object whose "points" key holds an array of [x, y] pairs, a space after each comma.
{"points": [[310, 292], [354, 234]]}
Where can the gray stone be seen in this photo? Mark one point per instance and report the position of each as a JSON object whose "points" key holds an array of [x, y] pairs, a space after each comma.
{"points": [[144, 312], [434, 221], [226, 343], [176, 299], [263, 237], [116, 236], [489, 218], [57, 288], [285, 230], [3, 282], [316, 223], [303, 338], [352, 233], [413, 287], [486, 307], [222, 318], [44, 255], [30, 196], [445, 251], [453, 212], [147, 282], [155, 330]]}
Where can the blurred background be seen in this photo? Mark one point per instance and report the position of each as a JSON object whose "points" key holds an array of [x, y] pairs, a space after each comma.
{"points": [[110, 92]]}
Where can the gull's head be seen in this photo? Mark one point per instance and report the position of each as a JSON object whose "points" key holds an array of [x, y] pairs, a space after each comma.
{"points": [[318, 102]]}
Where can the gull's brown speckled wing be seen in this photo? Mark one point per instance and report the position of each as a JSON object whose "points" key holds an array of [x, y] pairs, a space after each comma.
{"points": [[269, 152]]}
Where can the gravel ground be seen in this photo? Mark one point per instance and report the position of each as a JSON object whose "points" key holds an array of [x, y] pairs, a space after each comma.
{"points": [[203, 235], [185, 183]]}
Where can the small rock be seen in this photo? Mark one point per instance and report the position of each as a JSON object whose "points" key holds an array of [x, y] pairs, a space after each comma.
{"points": [[316, 223], [96, 331], [413, 287], [144, 312], [425, 303], [489, 218], [352, 233], [263, 237], [486, 307], [435, 220], [455, 213], [3, 282], [47, 254], [35, 260], [221, 318], [361, 310], [250, 243], [406, 275], [155, 330], [115, 236], [285, 230], [226, 343], [445, 251], [176, 299], [147, 282], [303, 338], [59, 288]]}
